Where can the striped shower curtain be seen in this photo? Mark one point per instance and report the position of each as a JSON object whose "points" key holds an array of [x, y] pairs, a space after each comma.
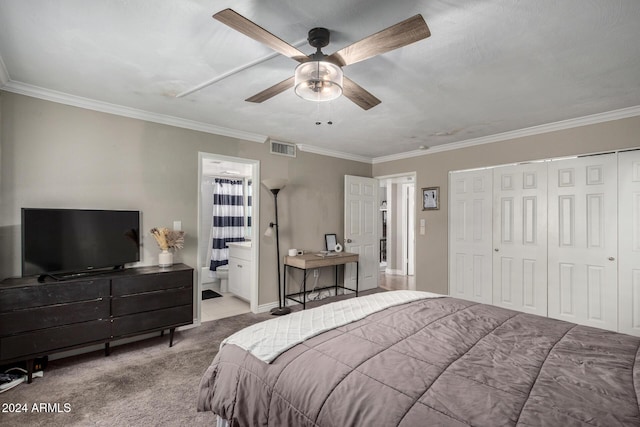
{"points": [[228, 219]]}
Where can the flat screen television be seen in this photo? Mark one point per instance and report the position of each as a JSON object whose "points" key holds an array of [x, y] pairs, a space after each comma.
{"points": [[63, 242]]}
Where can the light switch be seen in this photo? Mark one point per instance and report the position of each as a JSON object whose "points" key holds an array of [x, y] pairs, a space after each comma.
{"points": [[177, 225], [423, 223]]}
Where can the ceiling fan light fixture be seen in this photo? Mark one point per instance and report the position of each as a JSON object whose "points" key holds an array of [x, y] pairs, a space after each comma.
{"points": [[318, 81]]}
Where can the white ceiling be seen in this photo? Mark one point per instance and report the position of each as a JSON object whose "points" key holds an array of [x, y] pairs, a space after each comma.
{"points": [[490, 66]]}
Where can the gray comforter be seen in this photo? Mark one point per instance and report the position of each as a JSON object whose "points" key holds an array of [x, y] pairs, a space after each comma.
{"points": [[435, 362]]}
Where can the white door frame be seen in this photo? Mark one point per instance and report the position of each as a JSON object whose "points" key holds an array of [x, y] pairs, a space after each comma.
{"points": [[255, 220], [409, 226]]}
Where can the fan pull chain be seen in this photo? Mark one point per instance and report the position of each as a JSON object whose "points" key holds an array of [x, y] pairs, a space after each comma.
{"points": [[318, 113]]}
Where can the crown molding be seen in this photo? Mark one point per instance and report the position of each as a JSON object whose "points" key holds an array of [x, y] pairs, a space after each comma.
{"points": [[105, 107], [622, 113], [63, 98], [332, 153]]}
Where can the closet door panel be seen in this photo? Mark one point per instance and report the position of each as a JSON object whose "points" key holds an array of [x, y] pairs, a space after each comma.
{"points": [[583, 224], [520, 237], [629, 242], [470, 235]]}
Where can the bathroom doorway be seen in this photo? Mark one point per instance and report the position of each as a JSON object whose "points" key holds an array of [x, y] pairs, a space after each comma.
{"points": [[228, 215]]}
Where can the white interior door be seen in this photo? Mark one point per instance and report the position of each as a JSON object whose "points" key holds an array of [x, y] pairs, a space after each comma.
{"points": [[470, 235], [520, 237], [629, 242], [583, 234], [360, 230]]}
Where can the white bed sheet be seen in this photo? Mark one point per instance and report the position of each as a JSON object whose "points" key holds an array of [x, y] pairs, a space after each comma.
{"points": [[267, 340]]}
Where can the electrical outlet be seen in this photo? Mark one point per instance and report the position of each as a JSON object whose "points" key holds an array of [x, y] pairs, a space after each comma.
{"points": [[316, 273]]}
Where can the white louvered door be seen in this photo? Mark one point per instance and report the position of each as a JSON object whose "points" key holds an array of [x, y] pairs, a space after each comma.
{"points": [[470, 235], [583, 235], [629, 242], [520, 237]]}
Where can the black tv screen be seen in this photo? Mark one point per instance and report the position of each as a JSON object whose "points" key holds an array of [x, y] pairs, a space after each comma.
{"points": [[78, 240]]}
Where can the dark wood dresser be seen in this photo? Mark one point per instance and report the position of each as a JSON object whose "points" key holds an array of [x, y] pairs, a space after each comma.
{"points": [[38, 319]]}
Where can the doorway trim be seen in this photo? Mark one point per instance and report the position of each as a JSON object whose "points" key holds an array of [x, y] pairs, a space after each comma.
{"points": [[255, 220], [412, 224]]}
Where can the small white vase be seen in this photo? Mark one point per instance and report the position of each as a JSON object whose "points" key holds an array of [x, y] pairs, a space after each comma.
{"points": [[165, 259]]}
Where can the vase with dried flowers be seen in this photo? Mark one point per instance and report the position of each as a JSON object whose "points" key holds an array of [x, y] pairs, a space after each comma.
{"points": [[167, 240]]}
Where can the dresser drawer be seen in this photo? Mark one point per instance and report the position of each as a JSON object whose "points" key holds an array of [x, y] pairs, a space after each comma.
{"points": [[151, 282], [52, 293], [149, 301], [152, 320], [53, 339], [32, 319]]}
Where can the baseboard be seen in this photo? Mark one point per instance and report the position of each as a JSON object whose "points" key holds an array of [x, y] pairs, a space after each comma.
{"points": [[394, 272], [265, 308]]}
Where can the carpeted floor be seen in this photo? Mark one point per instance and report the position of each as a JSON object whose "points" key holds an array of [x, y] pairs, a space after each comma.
{"points": [[145, 383], [140, 384]]}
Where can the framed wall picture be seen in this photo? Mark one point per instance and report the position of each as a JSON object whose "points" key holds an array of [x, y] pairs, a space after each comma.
{"points": [[430, 198]]}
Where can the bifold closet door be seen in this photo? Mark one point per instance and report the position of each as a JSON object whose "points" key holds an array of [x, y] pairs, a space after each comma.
{"points": [[629, 242], [520, 237], [470, 235], [583, 237]]}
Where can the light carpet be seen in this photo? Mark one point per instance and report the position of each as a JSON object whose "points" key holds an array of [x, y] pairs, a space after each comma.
{"points": [[145, 383]]}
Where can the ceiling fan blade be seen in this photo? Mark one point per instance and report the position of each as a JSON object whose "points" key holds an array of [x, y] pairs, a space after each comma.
{"points": [[358, 94], [403, 33], [272, 91], [250, 29]]}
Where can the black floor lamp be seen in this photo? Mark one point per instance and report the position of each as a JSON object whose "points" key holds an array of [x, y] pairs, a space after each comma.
{"points": [[275, 185]]}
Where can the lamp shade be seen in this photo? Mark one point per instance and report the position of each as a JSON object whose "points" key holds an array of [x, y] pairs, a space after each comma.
{"points": [[318, 81], [274, 183], [268, 232]]}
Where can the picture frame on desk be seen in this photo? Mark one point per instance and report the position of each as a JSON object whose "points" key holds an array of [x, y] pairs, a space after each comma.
{"points": [[330, 241], [430, 198]]}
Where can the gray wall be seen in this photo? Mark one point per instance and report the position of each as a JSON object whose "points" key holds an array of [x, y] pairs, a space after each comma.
{"points": [[433, 169], [54, 155]]}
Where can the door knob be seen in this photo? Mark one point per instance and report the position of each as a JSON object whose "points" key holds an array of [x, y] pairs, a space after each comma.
{"points": [[497, 250], [611, 258], [348, 241]]}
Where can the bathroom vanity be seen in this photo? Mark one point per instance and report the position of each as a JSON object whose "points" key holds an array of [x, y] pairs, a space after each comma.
{"points": [[240, 269]]}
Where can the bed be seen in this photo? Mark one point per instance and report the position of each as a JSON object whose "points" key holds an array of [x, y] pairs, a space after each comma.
{"points": [[425, 361]]}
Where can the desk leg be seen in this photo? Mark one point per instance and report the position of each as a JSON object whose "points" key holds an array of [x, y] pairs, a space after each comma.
{"points": [[357, 276], [336, 282], [304, 289]]}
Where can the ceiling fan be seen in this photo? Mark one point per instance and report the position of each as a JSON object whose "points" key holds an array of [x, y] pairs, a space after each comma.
{"points": [[319, 77]]}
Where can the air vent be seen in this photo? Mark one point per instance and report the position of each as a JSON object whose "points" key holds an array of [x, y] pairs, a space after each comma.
{"points": [[283, 148]]}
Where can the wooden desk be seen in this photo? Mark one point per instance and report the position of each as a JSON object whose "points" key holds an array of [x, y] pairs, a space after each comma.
{"points": [[311, 261]]}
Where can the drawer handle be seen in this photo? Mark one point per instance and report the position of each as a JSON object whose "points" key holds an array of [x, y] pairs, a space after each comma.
{"points": [[239, 266]]}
